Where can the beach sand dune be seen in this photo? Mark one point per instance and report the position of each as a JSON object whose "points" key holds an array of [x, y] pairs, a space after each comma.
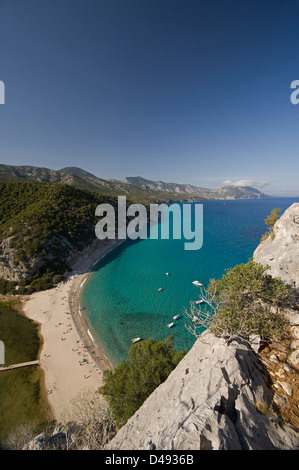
{"points": [[71, 361]]}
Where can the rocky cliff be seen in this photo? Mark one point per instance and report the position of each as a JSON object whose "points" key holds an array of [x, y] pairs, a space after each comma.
{"points": [[217, 398], [281, 249]]}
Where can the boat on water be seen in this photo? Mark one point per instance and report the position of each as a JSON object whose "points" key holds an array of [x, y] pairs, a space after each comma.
{"points": [[167, 274], [170, 325], [197, 283], [176, 317], [195, 319], [160, 288], [199, 302], [135, 340], [81, 308]]}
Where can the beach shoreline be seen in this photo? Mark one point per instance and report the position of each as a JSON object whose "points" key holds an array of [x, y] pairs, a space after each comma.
{"points": [[72, 362]]}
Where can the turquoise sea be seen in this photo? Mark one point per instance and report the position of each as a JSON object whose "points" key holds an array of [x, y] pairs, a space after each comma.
{"points": [[121, 295]]}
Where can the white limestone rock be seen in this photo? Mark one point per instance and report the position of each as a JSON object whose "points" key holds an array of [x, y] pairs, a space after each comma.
{"points": [[281, 252], [209, 402]]}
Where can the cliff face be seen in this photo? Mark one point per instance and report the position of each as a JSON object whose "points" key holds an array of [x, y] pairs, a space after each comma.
{"points": [[281, 251], [211, 401]]}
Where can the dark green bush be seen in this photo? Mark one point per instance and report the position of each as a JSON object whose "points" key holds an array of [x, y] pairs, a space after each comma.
{"points": [[245, 302], [149, 364]]}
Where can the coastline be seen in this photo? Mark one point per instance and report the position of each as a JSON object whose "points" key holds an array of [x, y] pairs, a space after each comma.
{"points": [[72, 362]]}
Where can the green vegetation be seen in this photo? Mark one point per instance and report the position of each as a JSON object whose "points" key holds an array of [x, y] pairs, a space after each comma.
{"points": [[245, 297], [41, 224], [22, 396], [148, 365], [244, 302], [270, 222]]}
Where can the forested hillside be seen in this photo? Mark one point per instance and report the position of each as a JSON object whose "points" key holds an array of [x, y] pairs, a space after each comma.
{"points": [[41, 224]]}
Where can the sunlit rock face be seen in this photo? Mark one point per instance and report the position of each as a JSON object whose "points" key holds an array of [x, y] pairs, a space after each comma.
{"points": [[281, 251]]}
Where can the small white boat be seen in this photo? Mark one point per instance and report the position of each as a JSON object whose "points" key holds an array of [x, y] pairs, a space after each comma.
{"points": [[81, 308], [170, 325], [199, 301], [197, 283], [167, 274], [195, 319], [160, 288], [176, 317], [135, 340]]}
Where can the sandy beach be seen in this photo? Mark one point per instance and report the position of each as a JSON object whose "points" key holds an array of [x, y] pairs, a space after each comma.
{"points": [[73, 364]]}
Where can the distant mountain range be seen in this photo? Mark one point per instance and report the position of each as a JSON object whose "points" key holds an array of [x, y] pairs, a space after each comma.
{"points": [[135, 187], [225, 192]]}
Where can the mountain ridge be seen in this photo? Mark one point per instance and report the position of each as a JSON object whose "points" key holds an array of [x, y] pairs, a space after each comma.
{"points": [[224, 192], [133, 186]]}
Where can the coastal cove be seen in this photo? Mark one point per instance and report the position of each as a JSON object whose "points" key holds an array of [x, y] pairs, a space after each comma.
{"points": [[121, 297]]}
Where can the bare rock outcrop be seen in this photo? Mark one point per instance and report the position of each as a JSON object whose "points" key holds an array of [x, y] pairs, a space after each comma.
{"points": [[15, 271], [281, 249], [217, 398]]}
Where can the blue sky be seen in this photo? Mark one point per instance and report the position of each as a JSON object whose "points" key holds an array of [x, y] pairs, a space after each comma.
{"points": [[184, 91]]}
